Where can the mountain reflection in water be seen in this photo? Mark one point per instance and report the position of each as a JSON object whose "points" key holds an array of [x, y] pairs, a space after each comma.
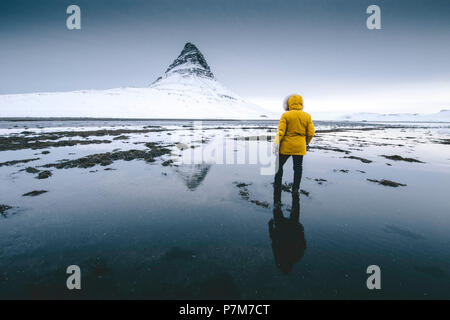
{"points": [[193, 175]]}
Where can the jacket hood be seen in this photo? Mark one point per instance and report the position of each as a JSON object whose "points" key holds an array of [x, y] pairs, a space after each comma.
{"points": [[295, 102]]}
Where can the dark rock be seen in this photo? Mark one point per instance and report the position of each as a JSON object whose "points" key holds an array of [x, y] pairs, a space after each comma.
{"points": [[242, 184], [19, 143], [157, 150], [388, 183], [31, 170], [244, 194], [359, 158], [320, 181], [106, 159], [304, 192], [167, 162], [44, 174], [287, 187], [341, 170], [400, 158], [263, 204], [442, 141], [3, 209], [243, 191], [122, 137], [47, 140], [329, 149], [34, 193], [14, 162]]}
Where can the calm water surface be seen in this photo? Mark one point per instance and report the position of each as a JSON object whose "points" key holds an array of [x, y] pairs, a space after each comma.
{"points": [[152, 231]]}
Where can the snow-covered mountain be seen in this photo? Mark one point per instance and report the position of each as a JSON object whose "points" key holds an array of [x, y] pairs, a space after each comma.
{"points": [[187, 90]]}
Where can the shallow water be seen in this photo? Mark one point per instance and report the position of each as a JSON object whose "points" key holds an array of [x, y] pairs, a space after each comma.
{"points": [[182, 231]]}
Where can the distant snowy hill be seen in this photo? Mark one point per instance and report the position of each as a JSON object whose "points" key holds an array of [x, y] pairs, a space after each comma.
{"points": [[187, 90], [442, 116]]}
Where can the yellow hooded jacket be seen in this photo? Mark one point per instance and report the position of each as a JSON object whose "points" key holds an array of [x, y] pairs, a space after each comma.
{"points": [[295, 129]]}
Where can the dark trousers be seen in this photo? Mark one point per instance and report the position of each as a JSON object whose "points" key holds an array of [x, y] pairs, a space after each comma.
{"points": [[298, 168]]}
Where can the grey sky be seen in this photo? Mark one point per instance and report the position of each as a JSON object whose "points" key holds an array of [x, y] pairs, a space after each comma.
{"points": [[262, 50]]}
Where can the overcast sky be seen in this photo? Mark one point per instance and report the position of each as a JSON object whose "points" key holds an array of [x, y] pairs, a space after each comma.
{"points": [[262, 50]]}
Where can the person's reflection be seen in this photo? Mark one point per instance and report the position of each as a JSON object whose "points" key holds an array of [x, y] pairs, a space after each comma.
{"points": [[287, 234]]}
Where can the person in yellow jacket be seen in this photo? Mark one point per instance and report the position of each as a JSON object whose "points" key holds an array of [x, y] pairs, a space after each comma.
{"points": [[295, 132]]}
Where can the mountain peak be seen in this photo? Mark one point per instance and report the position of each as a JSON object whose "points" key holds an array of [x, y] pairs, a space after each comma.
{"points": [[190, 62]]}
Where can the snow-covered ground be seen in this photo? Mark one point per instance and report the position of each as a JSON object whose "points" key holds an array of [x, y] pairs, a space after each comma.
{"points": [[442, 116], [183, 101]]}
